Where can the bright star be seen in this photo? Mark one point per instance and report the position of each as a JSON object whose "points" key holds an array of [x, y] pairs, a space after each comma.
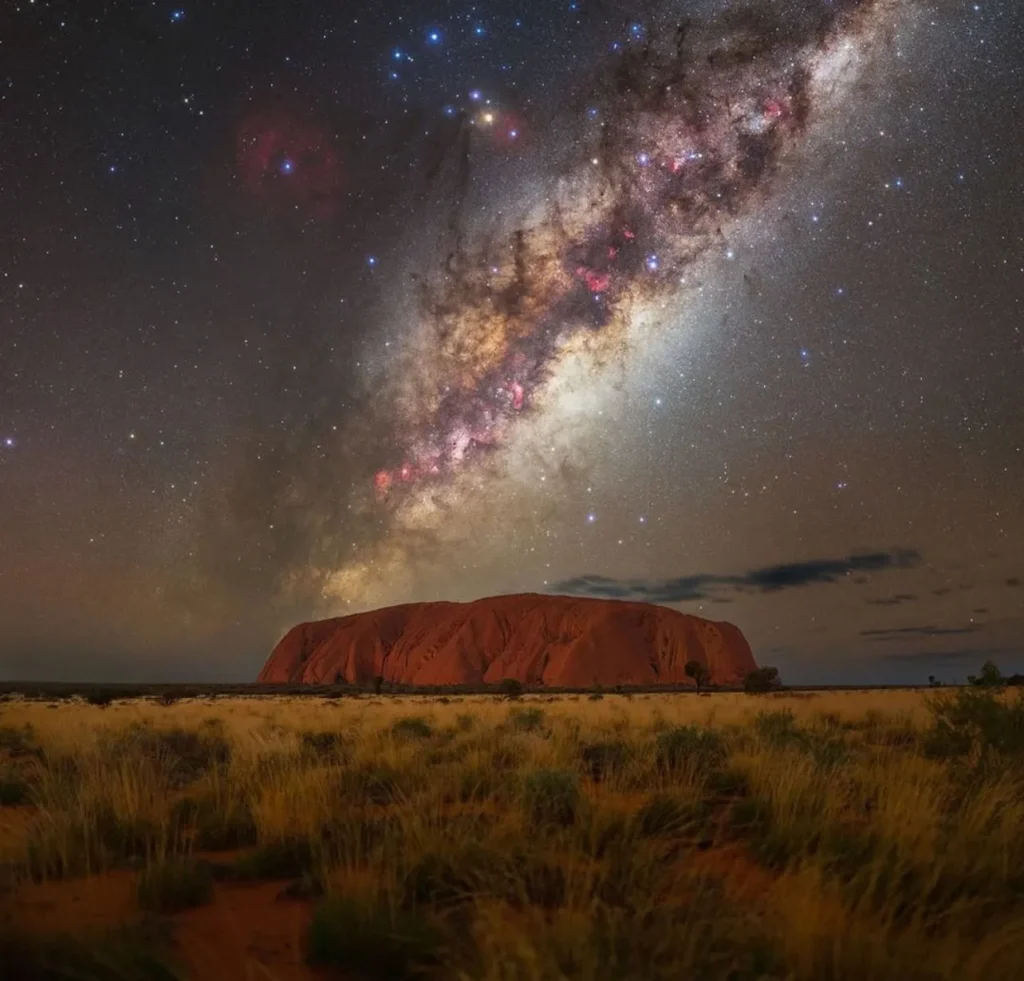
{"points": [[396, 54], [643, 159], [479, 31], [9, 442], [449, 110], [591, 518], [475, 95], [652, 263], [434, 37], [177, 15], [287, 166], [371, 260]]}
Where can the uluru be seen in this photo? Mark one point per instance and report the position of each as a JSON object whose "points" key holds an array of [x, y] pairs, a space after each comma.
{"points": [[556, 641]]}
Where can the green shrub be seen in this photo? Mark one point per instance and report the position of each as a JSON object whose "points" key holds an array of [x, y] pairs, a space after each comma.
{"points": [[777, 727], [438, 880], [175, 884], [374, 941], [185, 753], [215, 824], [13, 789], [288, 858], [664, 815], [412, 727], [602, 759], [322, 743], [18, 742], [974, 717], [372, 784], [526, 719], [551, 796], [678, 747]]}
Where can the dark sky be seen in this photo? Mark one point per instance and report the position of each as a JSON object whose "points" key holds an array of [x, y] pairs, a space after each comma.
{"points": [[311, 308]]}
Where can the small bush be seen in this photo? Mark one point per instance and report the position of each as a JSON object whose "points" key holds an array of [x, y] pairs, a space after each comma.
{"points": [[372, 784], [543, 883], [13, 789], [438, 880], [526, 719], [664, 815], [322, 743], [18, 742], [174, 885], [215, 824], [777, 727], [975, 717], [465, 722], [601, 760], [374, 941], [678, 747], [412, 727], [186, 753], [551, 797], [285, 859], [595, 697], [510, 687]]}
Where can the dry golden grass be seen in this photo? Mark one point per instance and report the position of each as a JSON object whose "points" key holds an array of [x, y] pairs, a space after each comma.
{"points": [[834, 835]]}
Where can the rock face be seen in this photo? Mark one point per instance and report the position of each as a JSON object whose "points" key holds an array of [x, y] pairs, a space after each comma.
{"points": [[561, 641]]}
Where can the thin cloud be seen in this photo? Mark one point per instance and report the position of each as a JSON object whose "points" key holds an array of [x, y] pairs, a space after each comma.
{"points": [[768, 579], [904, 633], [898, 600]]}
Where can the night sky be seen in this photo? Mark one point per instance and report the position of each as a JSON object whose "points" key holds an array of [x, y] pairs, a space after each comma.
{"points": [[309, 308]]}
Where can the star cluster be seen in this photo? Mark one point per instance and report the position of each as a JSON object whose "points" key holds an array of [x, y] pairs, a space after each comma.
{"points": [[707, 303]]}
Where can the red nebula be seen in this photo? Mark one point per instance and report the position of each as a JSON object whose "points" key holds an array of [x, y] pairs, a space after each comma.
{"points": [[597, 282], [382, 481], [508, 129], [773, 108], [518, 395], [289, 161]]}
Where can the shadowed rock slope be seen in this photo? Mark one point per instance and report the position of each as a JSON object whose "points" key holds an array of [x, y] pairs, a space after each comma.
{"points": [[561, 641]]}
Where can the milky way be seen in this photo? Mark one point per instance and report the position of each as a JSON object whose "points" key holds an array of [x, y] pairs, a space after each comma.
{"points": [[686, 133]]}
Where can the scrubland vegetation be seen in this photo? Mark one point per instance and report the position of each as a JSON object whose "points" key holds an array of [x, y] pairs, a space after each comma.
{"points": [[814, 837]]}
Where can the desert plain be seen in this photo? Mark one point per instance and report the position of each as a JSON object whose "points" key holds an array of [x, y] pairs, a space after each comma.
{"points": [[813, 836]]}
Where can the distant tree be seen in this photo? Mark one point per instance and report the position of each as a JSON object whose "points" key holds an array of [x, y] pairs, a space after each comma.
{"points": [[512, 687], [378, 684], [932, 681], [990, 677], [697, 671], [761, 680]]}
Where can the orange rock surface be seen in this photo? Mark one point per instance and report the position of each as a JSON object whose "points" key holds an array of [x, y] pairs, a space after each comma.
{"points": [[560, 641]]}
